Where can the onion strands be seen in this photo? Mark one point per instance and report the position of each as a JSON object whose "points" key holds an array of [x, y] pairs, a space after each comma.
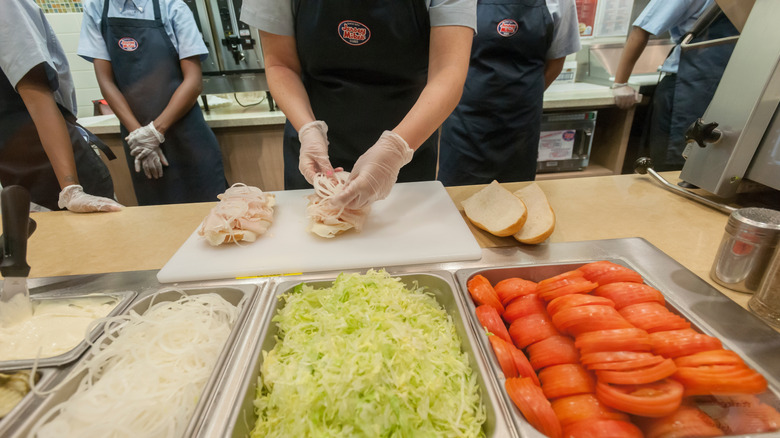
{"points": [[145, 374]]}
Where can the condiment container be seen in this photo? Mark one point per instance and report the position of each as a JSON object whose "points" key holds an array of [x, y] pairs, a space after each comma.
{"points": [[749, 240], [766, 302]]}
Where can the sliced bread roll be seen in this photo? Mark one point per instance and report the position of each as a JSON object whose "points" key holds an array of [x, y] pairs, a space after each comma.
{"points": [[495, 210], [541, 218]]}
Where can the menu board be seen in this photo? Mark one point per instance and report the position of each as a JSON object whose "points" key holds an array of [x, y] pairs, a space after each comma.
{"points": [[612, 17], [586, 14]]}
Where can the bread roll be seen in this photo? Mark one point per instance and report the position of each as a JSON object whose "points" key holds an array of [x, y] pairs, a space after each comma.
{"points": [[541, 218], [496, 210]]}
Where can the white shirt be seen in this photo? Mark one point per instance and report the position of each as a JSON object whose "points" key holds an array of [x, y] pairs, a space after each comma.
{"points": [[566, 32]]}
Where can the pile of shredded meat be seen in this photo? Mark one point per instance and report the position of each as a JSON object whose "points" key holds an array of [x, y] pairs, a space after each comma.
{"points": [[242, 214], [326, 220]]}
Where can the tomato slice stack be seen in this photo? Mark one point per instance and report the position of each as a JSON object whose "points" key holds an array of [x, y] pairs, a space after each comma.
{"points": [[612, 359]]}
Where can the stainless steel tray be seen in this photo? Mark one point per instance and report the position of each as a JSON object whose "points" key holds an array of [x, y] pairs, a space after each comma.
{"points": [[123, 299], [708, 310], [235, 417], [45, 380], [243, 296]]}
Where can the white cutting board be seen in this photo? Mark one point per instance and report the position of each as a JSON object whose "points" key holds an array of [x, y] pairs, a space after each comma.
{"points": [[417, 223]]}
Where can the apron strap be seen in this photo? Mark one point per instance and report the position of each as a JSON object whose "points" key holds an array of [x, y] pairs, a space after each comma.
{"points": [[104, 17], [157, 15], [91, 138]]}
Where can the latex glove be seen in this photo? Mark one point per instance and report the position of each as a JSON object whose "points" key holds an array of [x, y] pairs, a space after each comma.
{"points": [[375, 172], [144, 145], [625, 96], [314, 150], [74, 199]]}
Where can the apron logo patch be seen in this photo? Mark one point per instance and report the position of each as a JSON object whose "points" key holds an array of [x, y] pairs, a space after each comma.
{"points": [[354, 33], [128, 44], [507, 28]]}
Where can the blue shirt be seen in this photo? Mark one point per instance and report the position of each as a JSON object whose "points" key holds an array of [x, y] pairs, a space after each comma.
{"points": [[675, 16], [27, 41], [276, 16], [177, 19], [566, 31]]}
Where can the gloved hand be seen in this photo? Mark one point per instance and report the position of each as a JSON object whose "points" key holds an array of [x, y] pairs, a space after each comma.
{"points": [[144, 145], [314, 150], [625, 95], [375, 172], [74, 199]]}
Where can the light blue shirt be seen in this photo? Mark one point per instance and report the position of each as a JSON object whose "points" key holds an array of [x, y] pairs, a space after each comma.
{"points": [[566, 31], [675, 16], [27, 41], [177, 19], [276, 16]]}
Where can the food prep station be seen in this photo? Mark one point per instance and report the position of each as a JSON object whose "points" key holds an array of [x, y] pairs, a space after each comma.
{"points": [[226, 406]]}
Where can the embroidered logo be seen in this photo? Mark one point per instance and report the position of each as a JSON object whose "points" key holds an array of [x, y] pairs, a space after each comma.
{"points": [[128, 44], [507, 27], [354, 33]]}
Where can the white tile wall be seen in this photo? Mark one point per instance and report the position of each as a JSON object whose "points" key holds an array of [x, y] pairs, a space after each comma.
{"points": [[67, 27]]}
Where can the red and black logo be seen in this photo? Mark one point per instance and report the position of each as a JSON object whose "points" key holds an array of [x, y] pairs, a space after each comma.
{"points": [[507, 27], [128, 44], [354, 33]]}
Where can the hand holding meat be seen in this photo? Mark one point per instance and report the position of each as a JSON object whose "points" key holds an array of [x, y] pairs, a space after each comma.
{"points": [[314, 150], [144, 145], [74, 199], [375, 172]]}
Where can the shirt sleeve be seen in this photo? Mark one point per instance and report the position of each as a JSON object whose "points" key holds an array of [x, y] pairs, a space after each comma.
{"points": [[661, 15], [272, 16], [189, 40], [454, 13], [91, 44], [566, 32], [29, 47]]}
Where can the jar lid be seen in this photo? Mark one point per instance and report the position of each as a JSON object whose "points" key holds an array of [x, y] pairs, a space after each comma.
{"points": [[762, 222]]}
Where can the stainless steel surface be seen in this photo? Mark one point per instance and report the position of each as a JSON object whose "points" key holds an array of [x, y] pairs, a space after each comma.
{"points": [[766, 301], [743, 106], [686, 43], [749, 240], [143, 283], [235, 417], [602, 60], [123, 299], [644, 165]]}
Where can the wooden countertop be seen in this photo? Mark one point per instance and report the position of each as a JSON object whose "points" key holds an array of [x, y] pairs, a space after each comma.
{"points": [[604, 207]]}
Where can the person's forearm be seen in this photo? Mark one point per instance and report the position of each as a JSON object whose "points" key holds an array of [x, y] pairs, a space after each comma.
{"points": [[116, 100], [283, 72], [447, 69], [52, 131], [552, 68], [635, 45], [184, 97]]}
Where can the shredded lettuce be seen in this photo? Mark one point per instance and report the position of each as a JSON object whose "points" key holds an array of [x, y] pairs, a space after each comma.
{"points": [[366, 357]]}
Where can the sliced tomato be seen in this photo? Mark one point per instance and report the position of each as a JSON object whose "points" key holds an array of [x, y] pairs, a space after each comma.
{"points": [[655, 399], [581, 407], [522, 306], [605, 272], [720, 380], [564, 286], [625, 365], [490, 319], [511, 288], [531, 328], [597, 428], [483, 293], [687, 421], [530, 400], [624, 294], [583, 319], [639, 375], [576, 300], [600, 357], [740, 414], [503, 355], [554, 350], [712, 357], [524, 368], [676, 343], [565, 380], [627, 339], [653, 317]]}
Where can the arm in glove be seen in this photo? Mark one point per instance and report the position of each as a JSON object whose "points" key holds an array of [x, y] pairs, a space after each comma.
{"points": [[314, 150], [144, 145], [625, 96], [74, 199], [375, 172]]}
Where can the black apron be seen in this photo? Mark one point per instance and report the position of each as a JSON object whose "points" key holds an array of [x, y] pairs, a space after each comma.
{"points": [[692, 88], [363, 68], [147, 72], [494, 131], [24, 162]]}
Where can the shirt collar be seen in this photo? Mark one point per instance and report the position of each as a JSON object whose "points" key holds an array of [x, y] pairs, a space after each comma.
{"points": [[133, 5]]}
